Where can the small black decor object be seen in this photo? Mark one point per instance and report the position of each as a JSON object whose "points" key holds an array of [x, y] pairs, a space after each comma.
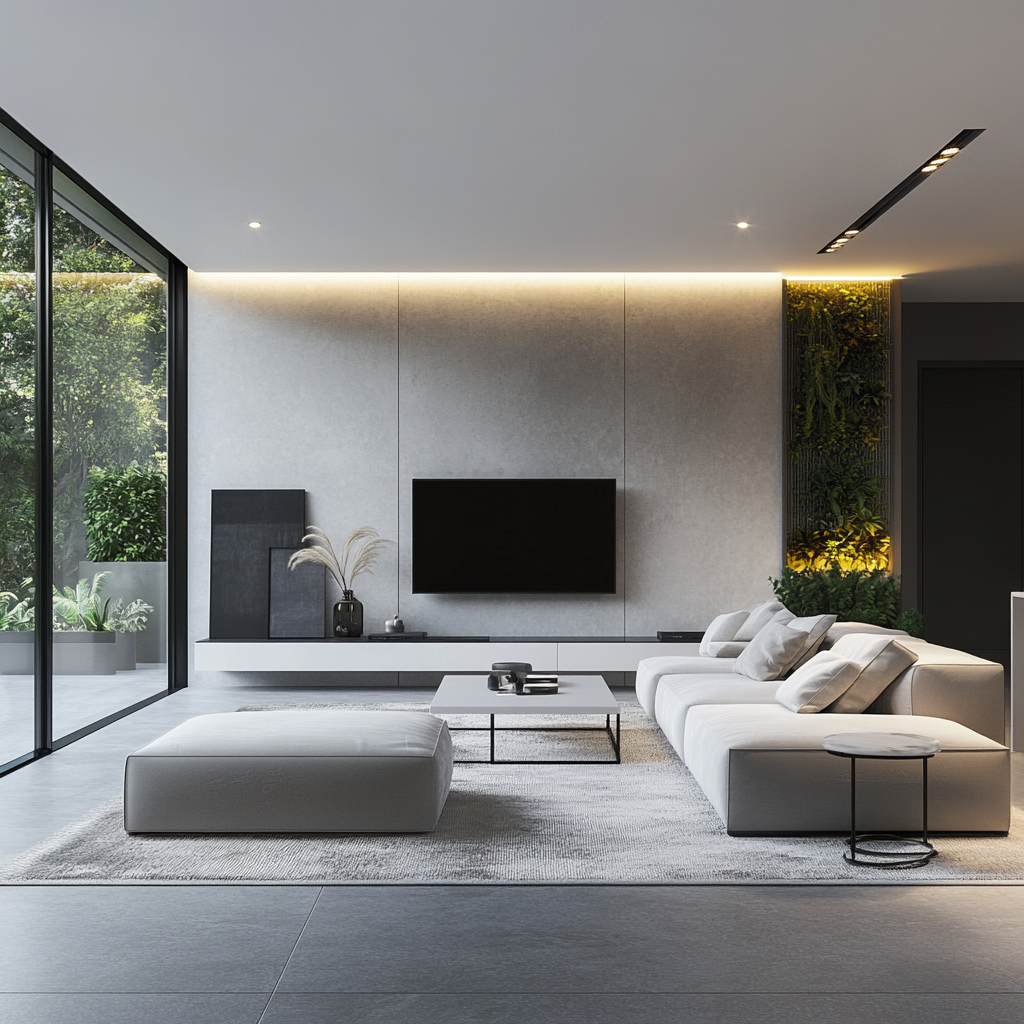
{"points": [[508, 676], [348, 616]]}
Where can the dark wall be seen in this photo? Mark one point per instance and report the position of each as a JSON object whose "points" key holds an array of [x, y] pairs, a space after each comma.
{"points": [[977, 332]]}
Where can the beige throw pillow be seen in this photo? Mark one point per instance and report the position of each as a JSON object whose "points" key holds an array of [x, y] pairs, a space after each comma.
{"points": [[726, 649], [771, 652], [841, 629], [817, 683], [723, 627], [817, 626], [758, 618], [881, 658]]}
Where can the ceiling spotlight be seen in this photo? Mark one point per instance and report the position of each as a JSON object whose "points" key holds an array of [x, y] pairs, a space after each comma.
{"points": [[953, 147], [255, 224], [743, 224]]}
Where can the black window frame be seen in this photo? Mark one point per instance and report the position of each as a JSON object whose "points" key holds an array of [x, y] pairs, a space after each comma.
{"points": [[177, 456]]}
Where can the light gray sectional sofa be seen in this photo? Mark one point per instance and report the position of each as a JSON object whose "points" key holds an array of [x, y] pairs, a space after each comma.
{"points": [[763, 766]]}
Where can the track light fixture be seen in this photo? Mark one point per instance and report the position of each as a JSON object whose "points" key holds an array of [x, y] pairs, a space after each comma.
{"points": [[923, 173]]}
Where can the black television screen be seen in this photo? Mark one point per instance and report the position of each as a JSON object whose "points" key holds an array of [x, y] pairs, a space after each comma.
{"points": [[513, 536]]}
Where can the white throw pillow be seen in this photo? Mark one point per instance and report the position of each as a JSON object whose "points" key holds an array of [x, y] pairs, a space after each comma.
{"points": [[771, 652], [723, 627], [726, 649], [881, 658], [817, 683], [758, 618], [841, 629], [816, 626]]}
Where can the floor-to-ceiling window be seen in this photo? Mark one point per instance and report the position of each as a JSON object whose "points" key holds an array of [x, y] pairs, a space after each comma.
{"points": [[91, 334], [17, 446]]}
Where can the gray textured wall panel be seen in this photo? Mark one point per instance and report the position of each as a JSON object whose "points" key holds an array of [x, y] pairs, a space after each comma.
{"points": [[510, 376], [703, 446], [293, 383], [351, 385]]}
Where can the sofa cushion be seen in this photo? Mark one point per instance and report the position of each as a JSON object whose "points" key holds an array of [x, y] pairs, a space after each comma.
{"points": [[817, 683], [759, 617], [841, 629], [678, 694], [881, 658], [651, 670], [771, 652], [723, 627]]}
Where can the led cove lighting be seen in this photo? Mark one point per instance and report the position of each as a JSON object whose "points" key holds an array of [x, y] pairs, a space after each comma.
{"points": [[967, 136]]}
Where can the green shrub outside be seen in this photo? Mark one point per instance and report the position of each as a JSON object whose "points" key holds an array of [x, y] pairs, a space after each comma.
{"points": [[125, 515]]}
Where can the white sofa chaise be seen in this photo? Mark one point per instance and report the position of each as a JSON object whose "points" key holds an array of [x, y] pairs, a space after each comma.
{"points": [[765, 771]]}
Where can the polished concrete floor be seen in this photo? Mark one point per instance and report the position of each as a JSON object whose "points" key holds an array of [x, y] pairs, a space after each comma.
{"points": [[425, 954]]}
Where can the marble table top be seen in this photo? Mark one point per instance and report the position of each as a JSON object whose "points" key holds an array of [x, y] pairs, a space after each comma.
{"points": [[881, 744]]}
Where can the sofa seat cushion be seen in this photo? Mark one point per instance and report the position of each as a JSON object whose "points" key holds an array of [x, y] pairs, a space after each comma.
{"points": [[766, 773], [650, 671], [292, 771], [678, 694]]}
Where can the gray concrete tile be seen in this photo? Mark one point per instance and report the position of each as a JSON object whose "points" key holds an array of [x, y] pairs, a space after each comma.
{"points": [[148, 938], [636, 939], [650, 1008], [135, 1008]]}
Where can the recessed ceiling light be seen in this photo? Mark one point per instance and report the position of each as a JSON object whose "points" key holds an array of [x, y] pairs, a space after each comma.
{"points": [[255, 224], [743, 224], [953, 147]]}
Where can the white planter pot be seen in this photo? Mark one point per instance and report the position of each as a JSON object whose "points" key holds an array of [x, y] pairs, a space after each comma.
{"points": [[146, 581], [84, 654]]}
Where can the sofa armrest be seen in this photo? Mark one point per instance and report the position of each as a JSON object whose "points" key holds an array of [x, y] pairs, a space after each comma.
{"points": [[949, 684]]}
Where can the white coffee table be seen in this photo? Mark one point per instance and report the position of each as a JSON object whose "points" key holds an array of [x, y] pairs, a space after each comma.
{"points": [[577, 695]]}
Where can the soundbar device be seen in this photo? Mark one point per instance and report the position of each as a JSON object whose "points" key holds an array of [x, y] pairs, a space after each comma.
{"points": [[680, 636]]}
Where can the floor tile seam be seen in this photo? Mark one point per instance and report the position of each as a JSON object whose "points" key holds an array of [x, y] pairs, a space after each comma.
{"points": [[288, 960], [810, 993]]}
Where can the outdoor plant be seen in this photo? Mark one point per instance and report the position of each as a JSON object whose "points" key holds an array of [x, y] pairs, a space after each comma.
{"points": [[15, 615], [857, 595], [363, 546], [83, 608], [912, 621], [125, 515]]}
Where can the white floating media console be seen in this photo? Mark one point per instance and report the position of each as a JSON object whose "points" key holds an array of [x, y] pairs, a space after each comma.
{"points": [[429, 656]]}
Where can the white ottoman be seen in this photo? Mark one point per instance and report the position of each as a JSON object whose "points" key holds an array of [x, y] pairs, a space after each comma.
{"points": [[292, 771]]}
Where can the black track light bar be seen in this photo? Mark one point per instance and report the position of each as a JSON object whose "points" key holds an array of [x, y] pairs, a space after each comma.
{"points": [[908, 184]]}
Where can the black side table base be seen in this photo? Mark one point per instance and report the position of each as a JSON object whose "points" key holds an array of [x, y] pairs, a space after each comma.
{"points": [[894, 858]]}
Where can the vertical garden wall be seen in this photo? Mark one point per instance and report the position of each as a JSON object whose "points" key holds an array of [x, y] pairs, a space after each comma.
{"points": [[838, 425]]}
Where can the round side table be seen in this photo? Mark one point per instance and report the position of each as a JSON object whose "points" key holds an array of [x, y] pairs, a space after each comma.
{"points": [[885, 746]]}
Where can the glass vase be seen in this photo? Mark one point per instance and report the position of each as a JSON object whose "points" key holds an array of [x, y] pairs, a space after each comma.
{"points": [[348, 616]]}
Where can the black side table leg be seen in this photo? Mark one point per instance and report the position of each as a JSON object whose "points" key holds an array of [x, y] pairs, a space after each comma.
{"points": [[492, 739], [853, 809]]}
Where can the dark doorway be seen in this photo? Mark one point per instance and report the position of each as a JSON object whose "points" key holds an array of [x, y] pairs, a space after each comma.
{"points": [[971, 491]]}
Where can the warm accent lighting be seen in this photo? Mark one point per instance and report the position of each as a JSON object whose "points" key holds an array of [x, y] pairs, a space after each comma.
{"points": [[953, 147], [743, 224], [255, 224]]}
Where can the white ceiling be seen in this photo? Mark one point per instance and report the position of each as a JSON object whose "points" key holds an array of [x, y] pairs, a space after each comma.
{"points": [[541, 134]]}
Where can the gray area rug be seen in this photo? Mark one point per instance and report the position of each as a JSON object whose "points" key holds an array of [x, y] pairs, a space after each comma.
{"points": [[645, 821]]}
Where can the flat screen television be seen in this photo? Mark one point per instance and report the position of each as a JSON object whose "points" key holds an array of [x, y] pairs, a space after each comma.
{"points": [[513, 536]]}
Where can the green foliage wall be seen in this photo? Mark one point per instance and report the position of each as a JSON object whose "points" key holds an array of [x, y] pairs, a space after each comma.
{"points": [[125, 515], [839, 417]]}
